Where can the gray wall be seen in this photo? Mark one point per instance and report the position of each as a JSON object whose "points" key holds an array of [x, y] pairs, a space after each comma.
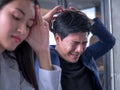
{"points": [[111, 18], [115, 5]]}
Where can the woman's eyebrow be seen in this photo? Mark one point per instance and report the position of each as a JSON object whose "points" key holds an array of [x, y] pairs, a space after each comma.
{"points": [[21, 11]]}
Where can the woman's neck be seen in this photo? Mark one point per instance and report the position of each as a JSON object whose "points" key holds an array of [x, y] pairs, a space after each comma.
{"points": [[1, 49]]}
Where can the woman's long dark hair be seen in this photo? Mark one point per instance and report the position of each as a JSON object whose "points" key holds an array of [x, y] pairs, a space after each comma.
{"points": [[24, 55], [25, 58]]}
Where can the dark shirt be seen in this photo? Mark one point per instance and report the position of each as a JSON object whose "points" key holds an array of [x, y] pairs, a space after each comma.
{"points": [[75, 76]]}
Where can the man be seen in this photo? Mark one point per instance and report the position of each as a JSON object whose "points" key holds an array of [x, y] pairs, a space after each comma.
{"points": [[78, 63], [79, 71]]}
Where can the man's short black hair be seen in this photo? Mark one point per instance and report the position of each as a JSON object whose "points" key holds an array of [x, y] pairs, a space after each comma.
{"points": [[70, 22]]}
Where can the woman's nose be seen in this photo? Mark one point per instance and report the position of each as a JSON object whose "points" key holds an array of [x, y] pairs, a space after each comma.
{"points": [[22, 29]]}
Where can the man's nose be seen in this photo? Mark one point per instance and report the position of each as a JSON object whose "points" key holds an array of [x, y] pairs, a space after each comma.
{"points": [[79, 48]]}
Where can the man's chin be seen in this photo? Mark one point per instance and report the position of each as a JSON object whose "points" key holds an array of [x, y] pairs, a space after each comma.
{"points": [[74, 61], [74, 58]]}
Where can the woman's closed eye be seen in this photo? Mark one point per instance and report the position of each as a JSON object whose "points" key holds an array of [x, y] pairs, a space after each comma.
{"points": [[16, 17], [30, 24]]}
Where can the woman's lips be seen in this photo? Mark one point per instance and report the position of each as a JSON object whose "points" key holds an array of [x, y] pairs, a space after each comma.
{"points": [[16, 38]]}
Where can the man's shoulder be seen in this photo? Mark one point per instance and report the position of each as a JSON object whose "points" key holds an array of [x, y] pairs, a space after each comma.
{"points": [[52, 46], [52, 49], [54, 55]]}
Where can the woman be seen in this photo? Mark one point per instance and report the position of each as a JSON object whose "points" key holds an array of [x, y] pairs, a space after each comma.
{"points": [[22, 31]]}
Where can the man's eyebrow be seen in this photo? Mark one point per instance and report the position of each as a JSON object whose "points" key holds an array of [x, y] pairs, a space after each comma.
{"points": [[21, 11]]}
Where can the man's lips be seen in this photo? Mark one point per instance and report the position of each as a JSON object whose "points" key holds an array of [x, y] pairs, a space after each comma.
{"points": [[75, 55], [16, 38]]}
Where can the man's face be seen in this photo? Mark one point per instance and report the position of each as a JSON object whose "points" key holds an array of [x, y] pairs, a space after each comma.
{"points": [[72, 46]]}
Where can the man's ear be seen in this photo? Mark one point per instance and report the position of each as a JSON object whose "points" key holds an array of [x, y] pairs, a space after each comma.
{"points": [[57, 38]]}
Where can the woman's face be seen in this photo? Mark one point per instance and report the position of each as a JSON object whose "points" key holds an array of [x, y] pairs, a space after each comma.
{"points": [[16, 19]]}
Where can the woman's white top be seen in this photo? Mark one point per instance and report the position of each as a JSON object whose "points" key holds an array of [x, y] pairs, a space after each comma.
{"points": [[12, 79]]}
